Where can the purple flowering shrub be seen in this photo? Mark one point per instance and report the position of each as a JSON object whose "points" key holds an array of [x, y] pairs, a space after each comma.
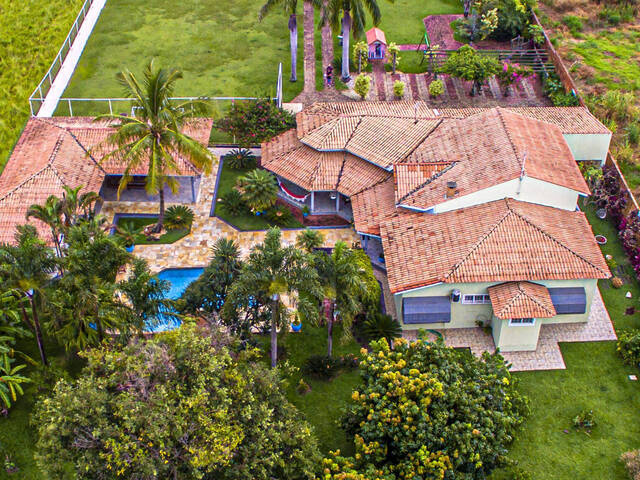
{"points": [[252, 122], [512, 73]]}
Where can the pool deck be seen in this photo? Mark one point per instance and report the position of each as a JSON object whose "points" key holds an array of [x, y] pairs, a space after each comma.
{"points": [[194, 249]]}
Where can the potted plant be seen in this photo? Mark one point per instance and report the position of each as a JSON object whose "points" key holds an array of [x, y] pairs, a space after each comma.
{"points": [[306, 211], [296, 324], [601, 239], [128, 233]]}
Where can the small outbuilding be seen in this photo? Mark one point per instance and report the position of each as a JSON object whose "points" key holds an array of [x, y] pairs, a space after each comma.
{"points": [[377, 44]]}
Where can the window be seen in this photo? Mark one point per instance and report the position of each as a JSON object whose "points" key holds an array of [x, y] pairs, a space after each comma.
{"points": [[518, 322], [475, 299]]}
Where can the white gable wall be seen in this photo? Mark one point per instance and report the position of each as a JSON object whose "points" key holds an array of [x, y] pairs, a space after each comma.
{"points": [[529, 190], [588, 146]]}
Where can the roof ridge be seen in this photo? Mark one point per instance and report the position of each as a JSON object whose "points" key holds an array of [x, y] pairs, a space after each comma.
{"points": [[26, 180], [522, 292], [500, 112], [547, 234], [426, 182], [344, 157], [480, 242]]}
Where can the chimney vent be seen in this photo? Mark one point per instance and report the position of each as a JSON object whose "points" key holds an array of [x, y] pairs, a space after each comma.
{"points": [[451, 189]]}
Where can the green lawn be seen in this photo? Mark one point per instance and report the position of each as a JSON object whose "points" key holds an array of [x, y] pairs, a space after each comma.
{"points": [[246, 221], [170, 236], [32, 33]]}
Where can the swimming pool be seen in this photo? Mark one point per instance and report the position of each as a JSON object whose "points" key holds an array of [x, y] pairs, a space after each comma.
{"points": [[179, 279]]}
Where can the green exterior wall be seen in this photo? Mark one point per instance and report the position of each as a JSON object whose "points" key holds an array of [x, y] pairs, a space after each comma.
{"points": [[515, 338]]}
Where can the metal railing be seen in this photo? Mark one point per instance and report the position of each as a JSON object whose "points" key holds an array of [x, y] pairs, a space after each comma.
{"points": [[536, 59], [40, 92]]}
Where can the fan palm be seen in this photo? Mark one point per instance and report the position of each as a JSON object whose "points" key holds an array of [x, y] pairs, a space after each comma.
{"points": [[289, 7], [154, 136], [349, 15], [278, 270], [259, 189], [49, 213]]}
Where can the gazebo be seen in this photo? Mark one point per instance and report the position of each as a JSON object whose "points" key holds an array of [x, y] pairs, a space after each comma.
{"points": [[377, 44]]}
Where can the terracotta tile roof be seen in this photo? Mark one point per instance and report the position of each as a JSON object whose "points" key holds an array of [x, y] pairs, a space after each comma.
{"points": [[379, 140], [521, 300], [488, 149], [505, 240], [409, 176], [376, 34], [373, 206], [358, 174], [569, 119], [326, 175]]}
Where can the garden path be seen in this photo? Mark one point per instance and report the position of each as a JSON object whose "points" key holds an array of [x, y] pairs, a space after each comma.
{"points": [[193, 250]]}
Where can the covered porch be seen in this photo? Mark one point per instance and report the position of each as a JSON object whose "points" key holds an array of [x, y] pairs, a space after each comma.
{"points": [[318, 202], [188, 189]]}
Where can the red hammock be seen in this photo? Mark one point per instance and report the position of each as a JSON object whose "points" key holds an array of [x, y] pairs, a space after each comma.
{"points": [[289, 193]]}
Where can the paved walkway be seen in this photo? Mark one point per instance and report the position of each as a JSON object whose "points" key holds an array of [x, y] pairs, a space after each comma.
{"points": [[547, 355], [193, 250], [61, 81]]}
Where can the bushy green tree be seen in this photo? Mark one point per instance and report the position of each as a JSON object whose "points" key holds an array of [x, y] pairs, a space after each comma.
{"points": [[259, 189], [178, 406], [362, 85], [466, 63], [429, 411]]}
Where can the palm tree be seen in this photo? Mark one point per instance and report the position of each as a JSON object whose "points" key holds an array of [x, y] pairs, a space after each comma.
{"points": [[308, 240], [154, 135], [10, 381], [76, 206], [49, 213], [259, 189], [308, 9], [344, 283], [353, 21], [27, 268], [290, 7], [276, 270]]}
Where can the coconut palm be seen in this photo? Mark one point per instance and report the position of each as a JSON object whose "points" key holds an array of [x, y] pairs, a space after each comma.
{"points": [[345, 283], [26, 267], [259, 189], [289, 7], [276, 270], [349, 15], [76, 206], [50, 213], [154, 136], [308, 240]]}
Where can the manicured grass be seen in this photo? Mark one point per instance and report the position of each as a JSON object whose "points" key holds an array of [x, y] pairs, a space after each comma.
{"points": [[596, 379], [170, 236], [246, 221], [32, 33]]}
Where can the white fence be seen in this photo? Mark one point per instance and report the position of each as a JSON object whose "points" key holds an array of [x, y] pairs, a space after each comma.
{"points": [[40, 92]]}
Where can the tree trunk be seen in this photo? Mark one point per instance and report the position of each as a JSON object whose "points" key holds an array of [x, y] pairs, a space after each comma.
{"points": [[330, 331], [38, 331], [293, 40], [158, 227], [309, 48], [327, 42], [359, 63], [395, 58], [346, 35], [274, 332]]}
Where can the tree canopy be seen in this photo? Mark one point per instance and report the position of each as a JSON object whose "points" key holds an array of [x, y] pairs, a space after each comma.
{"points": [[181, 405]]}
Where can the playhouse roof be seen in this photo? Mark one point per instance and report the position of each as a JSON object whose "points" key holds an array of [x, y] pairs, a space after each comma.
{"points": [[375, 34]]}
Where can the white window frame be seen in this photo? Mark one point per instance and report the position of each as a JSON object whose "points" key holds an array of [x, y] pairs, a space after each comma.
{"points": [[521, 323], [485, 300]]}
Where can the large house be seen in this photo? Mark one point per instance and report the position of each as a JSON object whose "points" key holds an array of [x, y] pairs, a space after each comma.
{"points": [[472, 212], [68, 151]]}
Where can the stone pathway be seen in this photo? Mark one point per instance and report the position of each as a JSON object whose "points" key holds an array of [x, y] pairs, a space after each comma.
{"points": [[547, 355], [193, 250]]}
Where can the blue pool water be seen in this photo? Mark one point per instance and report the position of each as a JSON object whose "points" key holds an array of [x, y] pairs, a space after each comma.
{"points": [[179, 279]]}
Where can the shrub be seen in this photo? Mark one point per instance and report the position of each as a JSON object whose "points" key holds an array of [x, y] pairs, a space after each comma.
{"points": [[279, 215], [616, 282], [585, 421], [379, 326], [233, 204], [402, 422], [632, 132], [362, 85], [512, 73], [128, 232], [252, 122], [178, 217], [574, 24], [436, 88], [322, 367], [398, 88], [303, 387], [554, 89], [259, 189], [631, 462], [133, 402], [628, 347], [240, 158]]}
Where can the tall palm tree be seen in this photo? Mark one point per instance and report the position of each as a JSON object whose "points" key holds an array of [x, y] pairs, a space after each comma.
{"points": [[276, 270], [49, 213], [259, 189], [154, 136], [308, 9], [290, 7], [344, 283], [349, 15], [27, 268]]}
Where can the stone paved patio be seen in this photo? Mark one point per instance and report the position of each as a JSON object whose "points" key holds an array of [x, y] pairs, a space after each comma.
{"points": [[193, 250], [548, 355]]}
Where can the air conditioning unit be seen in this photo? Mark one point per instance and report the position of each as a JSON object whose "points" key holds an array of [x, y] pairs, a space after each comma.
{"points": [[455, 296]]}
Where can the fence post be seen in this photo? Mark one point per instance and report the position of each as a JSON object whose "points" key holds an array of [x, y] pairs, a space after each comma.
{"points": [[110, 108], [30, 106], [70, 110]]}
